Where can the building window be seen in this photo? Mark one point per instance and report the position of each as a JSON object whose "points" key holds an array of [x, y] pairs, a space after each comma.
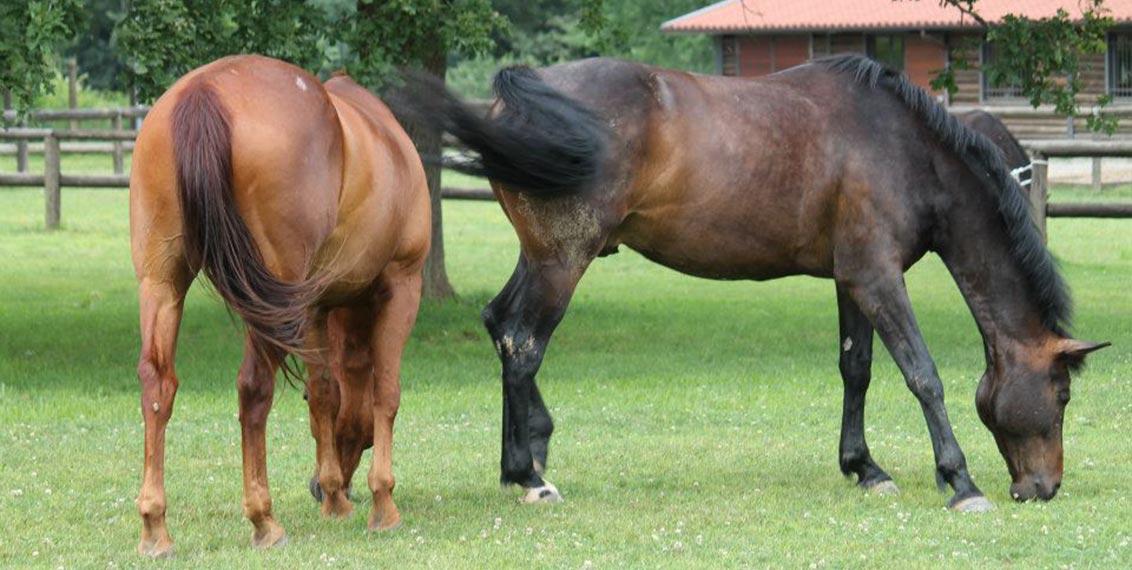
{"points": [[729, 55], [1011, 90], [887, 49], [1120, 64], [821, 45]]}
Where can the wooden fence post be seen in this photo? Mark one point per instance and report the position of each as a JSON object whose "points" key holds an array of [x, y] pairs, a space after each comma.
{"points": [[51, 190], [117, 123], [1096, 174], [21, 145], [1039, 192], [73, 88]]}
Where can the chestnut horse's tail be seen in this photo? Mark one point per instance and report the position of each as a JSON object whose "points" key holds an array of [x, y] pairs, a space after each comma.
{"points": [[215, 236], [541, 142]]}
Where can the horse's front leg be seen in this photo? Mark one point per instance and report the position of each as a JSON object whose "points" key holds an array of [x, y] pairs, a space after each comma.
{"points": [[855, 362], [256, 387], [882, 297], [521, 320]]}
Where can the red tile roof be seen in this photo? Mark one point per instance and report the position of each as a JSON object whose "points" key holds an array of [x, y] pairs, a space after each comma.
{"points": [[829, 15]]}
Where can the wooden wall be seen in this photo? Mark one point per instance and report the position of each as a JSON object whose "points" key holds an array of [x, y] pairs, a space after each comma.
{"points": [[755, 55]]}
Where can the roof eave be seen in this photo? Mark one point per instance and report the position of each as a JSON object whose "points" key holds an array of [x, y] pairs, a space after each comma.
{"points": [[810, 29]]}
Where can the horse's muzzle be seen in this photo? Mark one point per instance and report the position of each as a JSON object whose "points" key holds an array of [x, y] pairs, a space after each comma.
{"points": [[1033, 487]]}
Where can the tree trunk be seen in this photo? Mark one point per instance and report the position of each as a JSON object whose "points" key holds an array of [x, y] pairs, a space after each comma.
{"points": [[429, 143], [430, 51]]}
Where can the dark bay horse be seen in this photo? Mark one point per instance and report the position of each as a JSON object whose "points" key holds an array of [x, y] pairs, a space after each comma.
{"points": [[838, 169], [306, 206], [990, 126]]}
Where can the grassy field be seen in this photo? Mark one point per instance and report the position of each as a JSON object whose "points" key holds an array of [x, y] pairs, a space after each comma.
{"points": [[697, 421]]}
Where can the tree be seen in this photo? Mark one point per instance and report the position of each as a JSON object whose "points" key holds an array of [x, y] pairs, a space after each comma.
{"points": [[1041, 56], [387, 34], [161, 40], [31, 33]]}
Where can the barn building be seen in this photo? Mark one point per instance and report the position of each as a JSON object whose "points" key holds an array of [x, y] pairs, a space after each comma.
{"points": [[918, 37]]}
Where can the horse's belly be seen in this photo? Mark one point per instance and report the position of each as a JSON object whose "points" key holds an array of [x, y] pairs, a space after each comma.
{"points": [[746, 254]]}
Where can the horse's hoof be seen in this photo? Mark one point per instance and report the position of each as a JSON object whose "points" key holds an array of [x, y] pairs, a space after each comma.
{"points": [[315, 489], [156, 549], [337, 506], [976, 504], [548, 493], [886, 488], [386, 520], [271, 536]]}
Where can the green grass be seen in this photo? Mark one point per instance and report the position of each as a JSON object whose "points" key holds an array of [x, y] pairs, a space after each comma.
{"points": [[697, 421]]}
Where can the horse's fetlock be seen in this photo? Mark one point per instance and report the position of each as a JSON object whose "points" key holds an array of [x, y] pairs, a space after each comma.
{"points": [[151, 508], [381, 484]]}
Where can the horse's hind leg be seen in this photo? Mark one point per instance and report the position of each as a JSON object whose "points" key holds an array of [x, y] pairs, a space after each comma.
{"points": [[396, 313], [350, 333], [255, 385], [542, 426], [161, 301], [881, 295], [856, 362], [521, 320], [324, 400]]}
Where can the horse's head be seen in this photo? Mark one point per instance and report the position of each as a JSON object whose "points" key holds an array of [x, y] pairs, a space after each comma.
{"points": [[1022, 401]]}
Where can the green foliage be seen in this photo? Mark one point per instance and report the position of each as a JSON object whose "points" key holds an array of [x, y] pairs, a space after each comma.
{"points": [[390, 33], [163, 39], [94, 50], [31, 33], [55, 96], [1043, 57], [545, 32]]}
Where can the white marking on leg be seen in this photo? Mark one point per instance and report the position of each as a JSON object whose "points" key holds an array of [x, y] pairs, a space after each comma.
{"points": [[845, 346], [547, 493]]}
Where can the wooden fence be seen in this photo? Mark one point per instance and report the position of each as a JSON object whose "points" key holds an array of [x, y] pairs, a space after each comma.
{"points": [[122, 120], [52, 180], [1042, 151]]}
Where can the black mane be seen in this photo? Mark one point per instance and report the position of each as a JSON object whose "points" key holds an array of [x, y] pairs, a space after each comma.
{"points": [[981, 155]]}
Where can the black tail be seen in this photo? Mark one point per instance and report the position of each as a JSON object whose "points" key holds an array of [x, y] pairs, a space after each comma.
{"points": [[216, 238], [541, 142], [986, 162]]}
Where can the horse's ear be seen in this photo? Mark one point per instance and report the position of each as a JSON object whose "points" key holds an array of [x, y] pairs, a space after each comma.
{"points": [[1073, 351]]}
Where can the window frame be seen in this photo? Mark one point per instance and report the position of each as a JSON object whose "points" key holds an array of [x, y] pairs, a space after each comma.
{"points": [[1111, 68]]}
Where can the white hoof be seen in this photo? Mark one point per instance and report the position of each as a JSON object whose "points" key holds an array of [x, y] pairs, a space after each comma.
{"points": [[977, 504], [885, 488], [548, 493]]}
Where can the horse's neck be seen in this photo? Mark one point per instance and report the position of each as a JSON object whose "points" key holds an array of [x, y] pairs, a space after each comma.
{"points": [[977, 253]]}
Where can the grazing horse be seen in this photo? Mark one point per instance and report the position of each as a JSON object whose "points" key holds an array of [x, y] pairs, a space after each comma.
{"points": [[1015, 157], [838, 169], [306, 206]]}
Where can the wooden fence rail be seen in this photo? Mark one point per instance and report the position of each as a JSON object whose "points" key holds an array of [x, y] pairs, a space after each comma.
{"points": [[53, 180], [1042, 151], [116, 117]]}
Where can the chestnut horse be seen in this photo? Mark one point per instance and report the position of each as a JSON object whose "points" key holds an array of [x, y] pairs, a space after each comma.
{"points": [[838, 169], [306, 206]]}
